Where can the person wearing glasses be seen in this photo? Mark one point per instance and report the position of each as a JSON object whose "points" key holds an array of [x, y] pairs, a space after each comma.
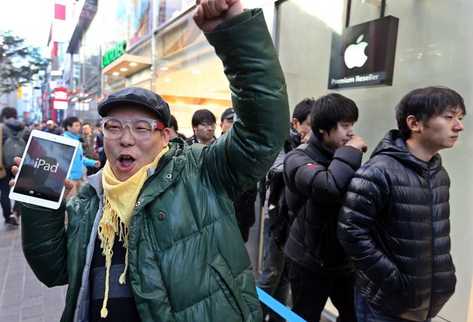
{"points": [[153, 235]]}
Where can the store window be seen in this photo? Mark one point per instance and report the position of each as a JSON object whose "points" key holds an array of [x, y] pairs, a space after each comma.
{"points": [[169, 9], [189, 74]]}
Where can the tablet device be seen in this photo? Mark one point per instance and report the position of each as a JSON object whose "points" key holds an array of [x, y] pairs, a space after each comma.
{"points": [[45, 165]]}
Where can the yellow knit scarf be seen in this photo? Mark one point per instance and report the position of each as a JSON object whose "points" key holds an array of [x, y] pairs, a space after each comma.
{"points": [[119, 200]]}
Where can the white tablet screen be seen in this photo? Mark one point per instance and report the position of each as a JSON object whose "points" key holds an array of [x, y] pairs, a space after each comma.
{"points": [[44, 169]]}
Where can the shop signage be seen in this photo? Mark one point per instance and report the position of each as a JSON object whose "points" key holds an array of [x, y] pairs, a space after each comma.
{"points": [[60, 98], [114, 53], [364, 54]]}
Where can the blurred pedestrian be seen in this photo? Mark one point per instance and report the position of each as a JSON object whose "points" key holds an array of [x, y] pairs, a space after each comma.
{"points": [[88, 144], [72, 127], [14, 136]]}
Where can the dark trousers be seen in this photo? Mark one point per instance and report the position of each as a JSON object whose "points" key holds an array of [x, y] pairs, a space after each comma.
{"points": [[310, 291], [366, 313], [274, 278], [4, 200]]}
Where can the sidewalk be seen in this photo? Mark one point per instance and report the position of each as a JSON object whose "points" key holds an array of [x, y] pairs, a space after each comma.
{"points": [[22, 297]]}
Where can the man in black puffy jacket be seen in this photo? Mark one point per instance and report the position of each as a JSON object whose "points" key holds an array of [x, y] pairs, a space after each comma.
{"points": [[395, 219], [317, 175]]}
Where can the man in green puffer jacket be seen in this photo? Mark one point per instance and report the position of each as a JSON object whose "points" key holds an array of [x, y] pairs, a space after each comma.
{"points": [[153, 236]]}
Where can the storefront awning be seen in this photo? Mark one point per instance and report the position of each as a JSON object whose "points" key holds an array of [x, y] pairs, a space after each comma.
{"points": [[126, 66]]}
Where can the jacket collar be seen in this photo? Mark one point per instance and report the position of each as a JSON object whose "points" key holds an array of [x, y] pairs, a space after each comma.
{"points": [[71, 135], [394, 145], [318, 151]]}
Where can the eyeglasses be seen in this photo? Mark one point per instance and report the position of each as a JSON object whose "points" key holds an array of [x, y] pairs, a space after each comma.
{"points": [[141, 128]]}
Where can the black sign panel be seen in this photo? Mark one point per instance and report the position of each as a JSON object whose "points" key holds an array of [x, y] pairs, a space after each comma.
{"points": [[364, 54]]}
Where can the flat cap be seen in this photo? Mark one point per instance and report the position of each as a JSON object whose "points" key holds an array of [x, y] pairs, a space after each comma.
{"points": [[139, 97]]}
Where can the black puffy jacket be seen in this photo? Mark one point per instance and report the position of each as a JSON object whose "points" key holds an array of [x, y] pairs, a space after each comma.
{"points": [[316, 181], [395, 225]]}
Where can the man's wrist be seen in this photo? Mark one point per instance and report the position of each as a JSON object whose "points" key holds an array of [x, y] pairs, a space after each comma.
{"points": [[233, 21]]}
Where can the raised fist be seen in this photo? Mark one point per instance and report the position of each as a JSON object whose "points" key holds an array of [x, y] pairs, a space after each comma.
{"points": [[210, 13]]}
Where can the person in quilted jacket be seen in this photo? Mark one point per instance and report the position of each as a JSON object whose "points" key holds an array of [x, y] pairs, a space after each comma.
{"points": [[395, 220]]}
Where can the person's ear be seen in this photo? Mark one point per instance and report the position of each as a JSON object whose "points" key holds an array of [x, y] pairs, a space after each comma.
{"points": [[414, 124], [165, 135]]}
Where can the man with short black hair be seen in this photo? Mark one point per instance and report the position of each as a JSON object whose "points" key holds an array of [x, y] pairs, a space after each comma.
{"points": [[203, 125], [395, 219], [153, 236], [301, 119], [316, 176], [174, 130], [226, 119]]}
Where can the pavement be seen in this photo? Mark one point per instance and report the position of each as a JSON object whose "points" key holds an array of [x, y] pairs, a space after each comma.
{"points": [[22, 297]]}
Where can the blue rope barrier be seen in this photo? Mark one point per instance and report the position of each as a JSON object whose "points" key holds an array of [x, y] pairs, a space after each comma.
{"points": [[277, 307]]}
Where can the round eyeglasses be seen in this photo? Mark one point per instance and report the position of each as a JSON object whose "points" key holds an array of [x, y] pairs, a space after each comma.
{"points": [[141, 128]]}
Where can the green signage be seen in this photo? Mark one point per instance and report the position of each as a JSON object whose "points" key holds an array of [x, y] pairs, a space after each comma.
{"points": [[114, 53]]}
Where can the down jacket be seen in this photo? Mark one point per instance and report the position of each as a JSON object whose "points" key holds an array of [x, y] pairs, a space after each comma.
{"points": [[395, 225], [187, 260], [316, 181]]}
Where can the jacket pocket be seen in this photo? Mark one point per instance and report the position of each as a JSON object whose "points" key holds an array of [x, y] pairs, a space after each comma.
{"points": [[222, 274]]}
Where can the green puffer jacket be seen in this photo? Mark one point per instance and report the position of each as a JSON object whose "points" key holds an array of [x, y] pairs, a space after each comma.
{"points": [[187, 260]]}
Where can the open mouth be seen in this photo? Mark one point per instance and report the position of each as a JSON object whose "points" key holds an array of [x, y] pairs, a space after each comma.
{"points": [[126, 161]]}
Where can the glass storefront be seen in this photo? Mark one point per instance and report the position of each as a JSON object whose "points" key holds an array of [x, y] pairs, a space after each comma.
{"points": [[188, 73], [170, 9], [434, 47]]}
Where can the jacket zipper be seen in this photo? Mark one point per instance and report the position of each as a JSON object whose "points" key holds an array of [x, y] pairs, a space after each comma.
{"points": [[431, 240]]}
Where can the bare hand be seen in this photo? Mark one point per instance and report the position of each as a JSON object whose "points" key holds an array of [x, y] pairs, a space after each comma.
{"points": [[210, 13], [14, 169], [358, 143]]}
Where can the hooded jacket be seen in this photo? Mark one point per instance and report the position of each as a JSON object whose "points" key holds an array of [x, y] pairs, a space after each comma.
{"points": [[395, 225], [187, 260]]}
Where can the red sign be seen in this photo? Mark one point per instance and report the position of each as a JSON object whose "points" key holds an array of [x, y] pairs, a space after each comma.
{"points": [[60, 98], [59, 11]]}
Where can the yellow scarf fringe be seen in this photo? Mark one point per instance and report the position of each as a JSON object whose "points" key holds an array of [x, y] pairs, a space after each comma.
{"points": [[117, 214]]}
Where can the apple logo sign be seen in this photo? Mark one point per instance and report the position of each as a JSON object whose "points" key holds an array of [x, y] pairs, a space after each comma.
{"points": [[355, 53]]}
